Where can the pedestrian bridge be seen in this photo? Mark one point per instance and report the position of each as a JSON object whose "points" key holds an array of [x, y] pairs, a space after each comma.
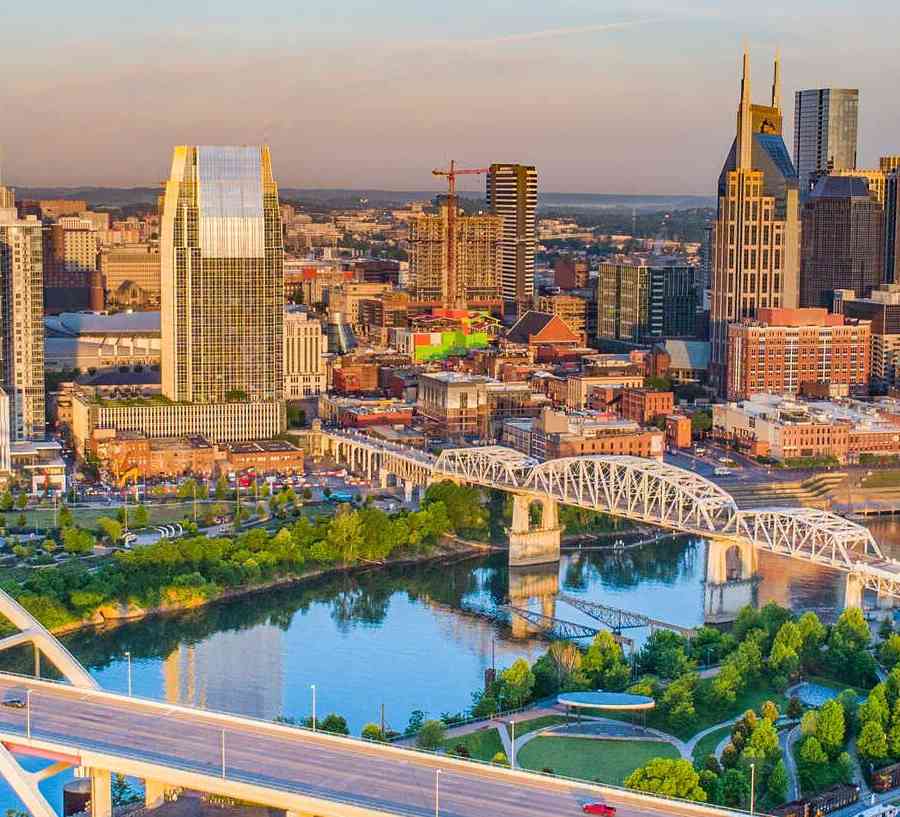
{"points": [[174, 748], [634, 488]]}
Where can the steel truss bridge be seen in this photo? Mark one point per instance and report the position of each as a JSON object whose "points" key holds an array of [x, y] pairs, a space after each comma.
{"points": [[639, 489]]}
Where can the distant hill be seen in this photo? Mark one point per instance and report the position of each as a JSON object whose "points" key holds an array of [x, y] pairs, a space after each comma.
{"points": [[129, 196]]}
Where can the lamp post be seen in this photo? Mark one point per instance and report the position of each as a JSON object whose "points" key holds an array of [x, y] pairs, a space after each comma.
{"points": [[313, 688], [752, 786], [28, 713], [223, 754], [512, 746], [128, 659], [437, 792]]}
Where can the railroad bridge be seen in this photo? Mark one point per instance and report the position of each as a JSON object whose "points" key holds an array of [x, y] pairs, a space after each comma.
{"points": [[638, 489]]}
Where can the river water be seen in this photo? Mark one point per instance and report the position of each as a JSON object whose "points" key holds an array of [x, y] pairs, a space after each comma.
{"points": [[407, 638]]}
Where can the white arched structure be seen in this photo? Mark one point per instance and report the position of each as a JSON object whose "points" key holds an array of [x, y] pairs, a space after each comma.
{"points": [[31, 631]]}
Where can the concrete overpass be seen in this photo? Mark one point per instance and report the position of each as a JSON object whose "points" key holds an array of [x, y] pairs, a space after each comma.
{"points": [[306, 773], [633, 488]]}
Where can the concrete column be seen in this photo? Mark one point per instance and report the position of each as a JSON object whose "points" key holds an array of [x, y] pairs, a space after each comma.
{"points": [[407, 490], [520, 520], [155, 792], [101, 793], [853, 591], [533, 547], [383, 479]]}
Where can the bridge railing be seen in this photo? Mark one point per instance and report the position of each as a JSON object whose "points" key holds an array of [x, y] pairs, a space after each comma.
{"points": [[281, 785]]}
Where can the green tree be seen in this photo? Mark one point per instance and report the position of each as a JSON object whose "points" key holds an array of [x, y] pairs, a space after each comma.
{"points": [[517, 683], [769, 710], [222, 490], [22, 501], [711, 783], [677, 702], [784, 657], [846, 768], [465, 507], [777, 784], [672, 778], [809, 723], [77, 541], [372, 731], [830, 727], [889, 652], [811, 752], [6, 501], [812, 633], [794, 707], [122, 793], [431, 735], [22, 521], [664, 655], [735, 788], [604, 663], [872, 742], [500, 759], [65, 518], [764, 739], [334, 723], [875, 708], [140, 518], [701, 422], [109, 528]]}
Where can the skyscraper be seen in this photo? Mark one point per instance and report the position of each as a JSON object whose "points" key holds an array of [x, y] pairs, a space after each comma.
{"points": [[757, 233], [825, 122], [892, 229], [842, 241], [222, 277], [512, 193], [21, 319]]}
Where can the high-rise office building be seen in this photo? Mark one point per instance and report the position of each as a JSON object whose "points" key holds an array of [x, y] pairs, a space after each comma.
{"points": [[892, 229], [639, 299], [842, 241], [21, 319], [825, 124], [478, 257], [304, 350], [512, 193], [757, 233], [221, 277]]}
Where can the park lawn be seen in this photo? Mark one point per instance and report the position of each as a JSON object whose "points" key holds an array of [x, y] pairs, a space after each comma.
{"points": [[43, 518], [881, 478], [536, 724], [482, 745], [602, 761], [707, 744]]}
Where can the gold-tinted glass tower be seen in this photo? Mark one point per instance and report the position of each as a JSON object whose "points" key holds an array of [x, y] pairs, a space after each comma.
{"points": [[221, 277], [757, 234]]}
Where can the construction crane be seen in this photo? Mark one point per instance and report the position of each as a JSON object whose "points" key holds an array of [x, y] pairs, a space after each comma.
{"points": [[455, 295]]}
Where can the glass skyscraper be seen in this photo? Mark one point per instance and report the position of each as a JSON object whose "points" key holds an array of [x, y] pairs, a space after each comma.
{"points": [[825, 126], [222, 279]]}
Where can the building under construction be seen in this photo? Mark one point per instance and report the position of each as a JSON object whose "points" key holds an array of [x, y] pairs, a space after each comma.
{"points": [[477, 259]]}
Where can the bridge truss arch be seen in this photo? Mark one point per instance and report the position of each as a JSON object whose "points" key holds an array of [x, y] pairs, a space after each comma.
{"points": [[486, 465]]}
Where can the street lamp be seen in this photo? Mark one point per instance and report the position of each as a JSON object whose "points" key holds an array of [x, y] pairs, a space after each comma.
{"points": [[128, 659], [512, 746], [28, 713], [223, 754], [313, 688], [752, 786], [437, 792]]}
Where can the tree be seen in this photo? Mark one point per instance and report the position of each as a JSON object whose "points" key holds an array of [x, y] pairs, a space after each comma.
{"points": [[22, 521], [222, 491], [735, 788], [122, 793], [764, 739], [517, 682], [701, 422], [812, 632], [672, 778], [846, 768], [464, 505], [777, 784], [794, 707], [109, 528], [65, 518], [663, 654], [711, 784], [890, 651], [830, 727], [809, 723], [22, 501], [6, 501], [334, 723], [769, 711], [77, 541], [604, 664], [784, 657], [729, 755], [677, 701], [811, 752], [431, 735], [372, 731], [500, 759], [872, 742], [140, 517]]}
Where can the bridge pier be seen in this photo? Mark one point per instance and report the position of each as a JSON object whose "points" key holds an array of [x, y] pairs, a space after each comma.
{"points": [[537, 546], [408, 490], [853, 591], [101, 792], [730, 579], [884, 605], [156, 792]]}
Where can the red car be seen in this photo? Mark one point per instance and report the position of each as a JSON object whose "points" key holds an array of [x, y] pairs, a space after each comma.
{"points": [[599, 808]]}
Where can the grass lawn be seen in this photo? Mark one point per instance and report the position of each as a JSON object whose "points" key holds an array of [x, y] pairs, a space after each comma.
{"points": [[707, 745], [482, 745], [604, 761], [43, 518], [535, 724], [881, 478]]}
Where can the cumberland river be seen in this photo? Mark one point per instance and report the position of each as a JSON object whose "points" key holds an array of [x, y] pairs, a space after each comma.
{"points": [[406, 638]]}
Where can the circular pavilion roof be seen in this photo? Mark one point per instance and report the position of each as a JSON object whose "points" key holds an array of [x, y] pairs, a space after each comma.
{"points": [[605, 700]]}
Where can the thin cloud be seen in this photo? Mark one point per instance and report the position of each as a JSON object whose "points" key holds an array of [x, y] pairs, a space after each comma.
{"points": [[548, 33]]}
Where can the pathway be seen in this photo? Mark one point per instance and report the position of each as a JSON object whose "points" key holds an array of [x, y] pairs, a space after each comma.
{"points": [[787, 738]]}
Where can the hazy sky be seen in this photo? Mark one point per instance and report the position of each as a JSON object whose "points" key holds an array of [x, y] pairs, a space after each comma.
{"points": [[610, 97]]}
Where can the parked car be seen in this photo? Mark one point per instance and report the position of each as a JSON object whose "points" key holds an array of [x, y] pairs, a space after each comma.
{"points": [[14, 699], [599, 808]]}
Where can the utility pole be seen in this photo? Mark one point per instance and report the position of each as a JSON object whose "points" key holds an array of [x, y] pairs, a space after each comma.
{"points": [[195, 500]]}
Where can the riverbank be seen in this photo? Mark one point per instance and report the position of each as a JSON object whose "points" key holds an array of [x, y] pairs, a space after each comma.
{"points": [[449, 550]]}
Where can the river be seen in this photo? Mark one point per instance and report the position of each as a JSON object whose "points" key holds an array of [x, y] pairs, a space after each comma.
{"points": [[406, 638]]}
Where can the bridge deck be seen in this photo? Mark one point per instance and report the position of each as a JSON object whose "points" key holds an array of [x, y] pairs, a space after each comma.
{"points": [[283, 759]]}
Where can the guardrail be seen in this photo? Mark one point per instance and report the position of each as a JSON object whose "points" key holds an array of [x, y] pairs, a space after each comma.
{"points": [[284, 786]]}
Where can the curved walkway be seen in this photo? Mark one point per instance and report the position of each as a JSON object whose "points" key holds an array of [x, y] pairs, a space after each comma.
{"points": [[787, 738]]}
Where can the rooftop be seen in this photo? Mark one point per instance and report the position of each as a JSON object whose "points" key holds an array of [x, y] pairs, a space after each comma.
{"points": [[73, 324], [261, 447]]}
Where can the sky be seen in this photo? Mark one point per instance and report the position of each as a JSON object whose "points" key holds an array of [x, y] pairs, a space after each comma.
{"points": [[603, 97]]}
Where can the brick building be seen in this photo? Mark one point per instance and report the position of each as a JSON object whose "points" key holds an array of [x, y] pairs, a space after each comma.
{"points": [[644, 406], [265, 456], [571, 273], [783, 349]]}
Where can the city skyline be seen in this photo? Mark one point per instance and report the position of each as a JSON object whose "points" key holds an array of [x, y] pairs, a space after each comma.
{"points": [[614, 98]]}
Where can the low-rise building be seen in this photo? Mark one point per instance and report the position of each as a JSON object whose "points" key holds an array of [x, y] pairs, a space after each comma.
{"points": [[678, 431], [265, 456], [787, 429], [555, 434], [644, 405]]}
